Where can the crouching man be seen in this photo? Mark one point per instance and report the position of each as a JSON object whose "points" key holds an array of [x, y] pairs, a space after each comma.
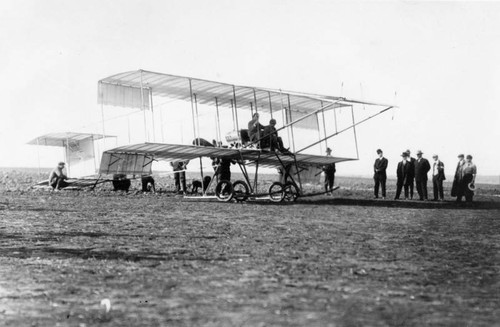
{"points": [[148, 183], [57, 178]]}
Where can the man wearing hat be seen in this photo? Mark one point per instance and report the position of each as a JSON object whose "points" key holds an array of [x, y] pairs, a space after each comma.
{"points": [[380, 175], [438, 178], [457, 180], [469, 171], [403, 174], [411, 177], [422, 167], [329, 173], [57, 178]]}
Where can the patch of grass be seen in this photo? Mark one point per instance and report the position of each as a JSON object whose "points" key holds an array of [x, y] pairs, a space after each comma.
{"points": [[345, 260]]}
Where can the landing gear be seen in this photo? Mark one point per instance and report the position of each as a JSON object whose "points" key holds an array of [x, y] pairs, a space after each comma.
{"points": [[291, 192], [241, 191], [224, 191], [276, 192]]}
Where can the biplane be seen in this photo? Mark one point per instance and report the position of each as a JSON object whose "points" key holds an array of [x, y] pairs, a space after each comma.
{"points": [[296, 112]]}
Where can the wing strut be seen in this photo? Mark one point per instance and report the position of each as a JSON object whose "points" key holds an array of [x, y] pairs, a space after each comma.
{"points": [[270, 104], [235, 109], [324, 124], [291, 127], [192, 109], [218, 120], [355, 135]]}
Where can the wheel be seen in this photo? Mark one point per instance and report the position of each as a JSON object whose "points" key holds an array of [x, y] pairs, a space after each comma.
{"points": [[276, 192], [291, 192], [224, 191], [240, 191]]}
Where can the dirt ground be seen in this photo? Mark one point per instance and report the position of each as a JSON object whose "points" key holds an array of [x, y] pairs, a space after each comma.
{"points": [[345, 260]]}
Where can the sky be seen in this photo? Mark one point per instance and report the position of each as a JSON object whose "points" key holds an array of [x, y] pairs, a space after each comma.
{"points": [[437, 61]]}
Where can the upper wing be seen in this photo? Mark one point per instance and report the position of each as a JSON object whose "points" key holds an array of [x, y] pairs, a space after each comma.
{"points": [[65, 139], [134, 89]]}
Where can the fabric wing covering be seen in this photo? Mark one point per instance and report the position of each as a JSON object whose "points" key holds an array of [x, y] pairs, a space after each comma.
{"points": [[137, 158], [64, 139], [124, 90], [78, 148]]}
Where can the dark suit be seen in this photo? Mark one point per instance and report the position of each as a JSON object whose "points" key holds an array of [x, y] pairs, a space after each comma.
{"points": [[411, 176], [380, 175], [437, 179], [403, 173], [457, 180], [422, 167], [271, 139], [329, 176]]}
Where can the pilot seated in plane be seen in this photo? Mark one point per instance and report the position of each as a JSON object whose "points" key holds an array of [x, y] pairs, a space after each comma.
{"points": [[57, 178], [271, 139], [255, 129]]}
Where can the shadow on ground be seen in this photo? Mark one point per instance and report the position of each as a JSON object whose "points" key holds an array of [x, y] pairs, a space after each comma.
{"points": [[410, 204], [98, 254]]}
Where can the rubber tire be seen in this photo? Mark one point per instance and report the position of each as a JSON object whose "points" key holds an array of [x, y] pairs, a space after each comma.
{"points": [[276, 195], [218, 189], [291, 192], [238, 196]]}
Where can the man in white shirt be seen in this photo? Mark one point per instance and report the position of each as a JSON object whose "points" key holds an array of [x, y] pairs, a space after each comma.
{"points": [[438, 178]]}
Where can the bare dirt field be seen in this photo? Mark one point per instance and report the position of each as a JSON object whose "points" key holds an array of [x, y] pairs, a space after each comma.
{"points": [[345, 260]]}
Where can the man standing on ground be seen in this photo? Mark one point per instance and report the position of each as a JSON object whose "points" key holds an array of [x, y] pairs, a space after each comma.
{"points": [[380, 175], [223, 170], [329, 173], [422, 167], [438, 178], [403, 173], [411, 176], [457, 180], [180, 175], [469, 172]]}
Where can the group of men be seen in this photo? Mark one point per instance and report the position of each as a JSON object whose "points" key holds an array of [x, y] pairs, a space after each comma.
{"points": [[414, 171], [410, 171]]}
